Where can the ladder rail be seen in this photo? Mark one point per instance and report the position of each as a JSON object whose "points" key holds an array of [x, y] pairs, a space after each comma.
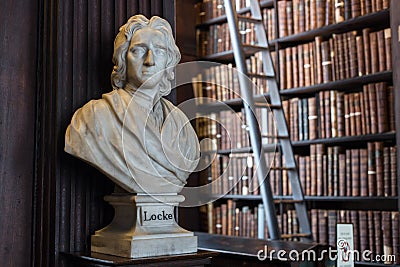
{"points": [[255, 135]]}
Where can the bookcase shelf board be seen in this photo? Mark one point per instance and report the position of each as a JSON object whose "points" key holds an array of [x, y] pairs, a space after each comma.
{"points": [[378, 19], [339, 85], [390, 136], [227, 56], [235, 245], [223, 19]]}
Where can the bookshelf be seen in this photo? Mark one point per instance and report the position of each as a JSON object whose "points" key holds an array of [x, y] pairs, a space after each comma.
{"points": [[359, 145]]}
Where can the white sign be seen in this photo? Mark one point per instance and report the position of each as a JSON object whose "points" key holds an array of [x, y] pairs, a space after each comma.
{"points": [[345, 245]]}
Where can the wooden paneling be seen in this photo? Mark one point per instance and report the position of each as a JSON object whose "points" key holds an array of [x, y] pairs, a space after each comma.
{"points": [[17, 125]]}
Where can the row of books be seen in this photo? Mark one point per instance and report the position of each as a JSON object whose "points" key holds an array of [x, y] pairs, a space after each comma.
{"points": [[340, 57], [376, 231], [336, 114], [209, 9], [232, 220], [217, 38], [327, 171], [234, 175], [227, 130], [220, 82], [340, 171], [329, 114], [296, 16]]}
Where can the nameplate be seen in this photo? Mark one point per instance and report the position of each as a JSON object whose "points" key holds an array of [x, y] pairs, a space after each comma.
{"points": [[156, 216]]}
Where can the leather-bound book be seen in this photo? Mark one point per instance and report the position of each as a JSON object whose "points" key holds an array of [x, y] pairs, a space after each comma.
{"points": [[318, 187], [289, 18], [342, 174], [340, 114], [289, 67], [355, 8], [321, 115], [372, 108], [381, 106], [339, 11], [326, 63], [364, 233], [363, 172], [360, 56], [355, 166], [320, 12], [295, 67], [367, 50], [393, 170], [329, 12], [318, 59], [387, 235], [386, 172], [374, 52], [302, 16], [282, 69], [282, 15], [312, 118], [327, 111], [379, 168], [352, 50], [366, 110], [349, 173], [378, 233], [313, 170], [388, 48], [371, 169]]}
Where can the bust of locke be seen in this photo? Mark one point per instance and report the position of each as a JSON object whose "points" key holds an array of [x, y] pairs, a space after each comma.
{"points": [[140, 140]]}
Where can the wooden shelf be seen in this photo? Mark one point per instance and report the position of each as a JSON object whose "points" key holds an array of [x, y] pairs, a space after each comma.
{"points": [[223, 19], [371, 20], [389, 136], [248, 246], [227, 56], [340, 85], [381, 199]]}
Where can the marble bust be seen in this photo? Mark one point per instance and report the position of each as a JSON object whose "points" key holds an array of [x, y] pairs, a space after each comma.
{"points": [[132, 134]]}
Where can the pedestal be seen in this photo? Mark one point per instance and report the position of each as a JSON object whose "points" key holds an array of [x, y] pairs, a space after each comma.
{"points": [[143, 226]]}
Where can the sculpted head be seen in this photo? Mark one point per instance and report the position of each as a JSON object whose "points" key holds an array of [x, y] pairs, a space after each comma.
{"points": [[142, 49]]}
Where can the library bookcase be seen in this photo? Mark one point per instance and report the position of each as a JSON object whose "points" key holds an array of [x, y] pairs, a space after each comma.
{"points": [[339, 74]]}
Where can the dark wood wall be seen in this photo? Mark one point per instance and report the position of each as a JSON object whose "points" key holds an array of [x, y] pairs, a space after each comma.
{"points": [[56, 55], [18, 41]]}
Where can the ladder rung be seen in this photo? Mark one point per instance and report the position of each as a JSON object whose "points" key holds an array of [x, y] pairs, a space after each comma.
{"points": [[249, 19], [285, 236], [262, 76], [282, 168], [251, 49], [288, 201], [275, 136], [270, 148], [267, 105]]}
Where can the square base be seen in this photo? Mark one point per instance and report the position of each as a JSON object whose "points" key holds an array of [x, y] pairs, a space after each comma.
{"points": [[144, 247]]}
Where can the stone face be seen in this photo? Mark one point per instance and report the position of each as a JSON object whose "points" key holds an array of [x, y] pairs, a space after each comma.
{"points": [[143, 227]]}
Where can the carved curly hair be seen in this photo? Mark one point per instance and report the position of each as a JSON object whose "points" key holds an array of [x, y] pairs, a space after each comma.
{"points": [[121, 45]]}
